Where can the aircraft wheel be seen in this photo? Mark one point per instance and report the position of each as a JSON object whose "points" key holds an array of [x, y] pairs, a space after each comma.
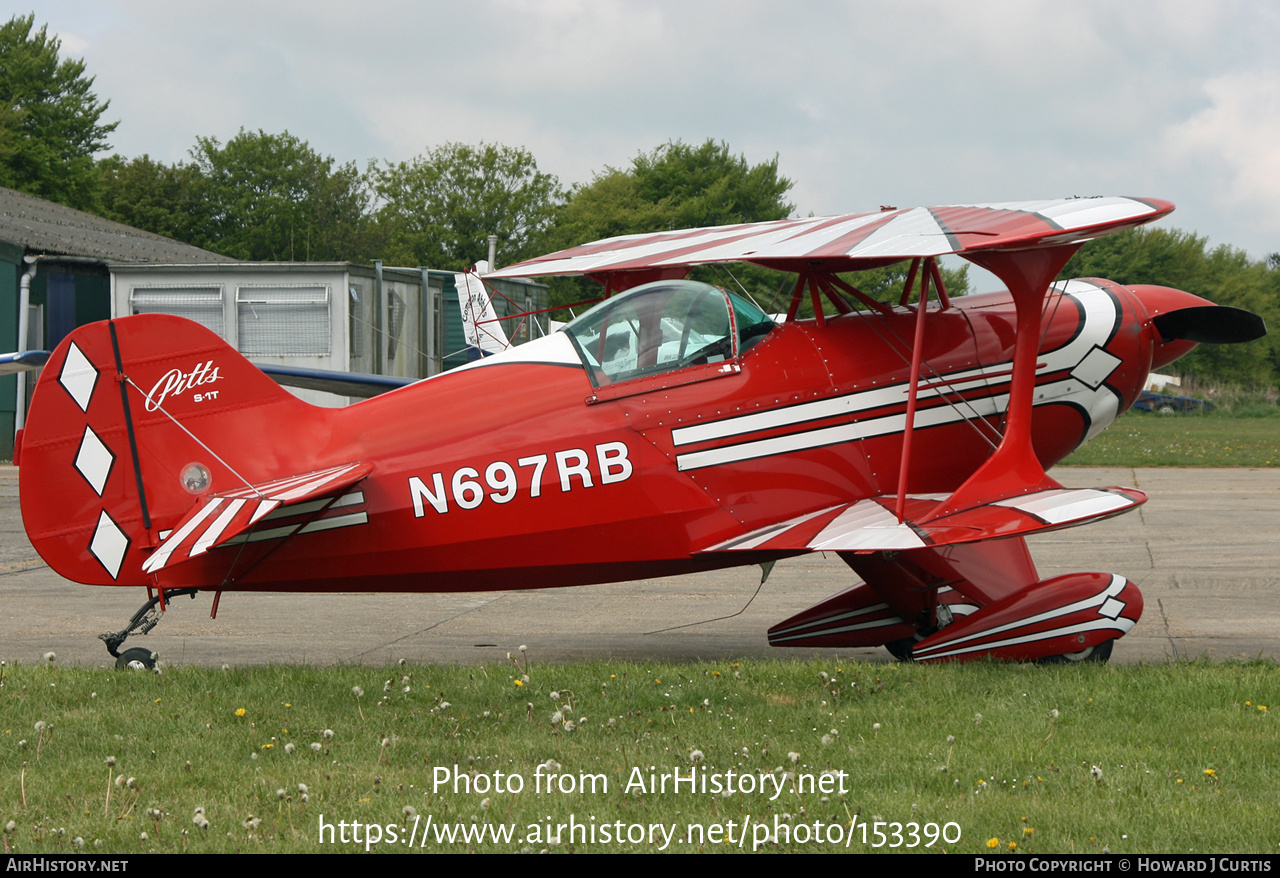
{"points": [[1167, 410], [1099, 653], [139, 654]]}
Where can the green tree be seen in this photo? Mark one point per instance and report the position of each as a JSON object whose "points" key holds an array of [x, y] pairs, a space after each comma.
{"points": [[272, 197], [440, 207], [675, 186], [165, 199], [1224, 275], [50, 119]]}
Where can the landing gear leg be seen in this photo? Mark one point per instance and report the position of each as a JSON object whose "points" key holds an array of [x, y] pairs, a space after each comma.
{"points": [[143, 621]]}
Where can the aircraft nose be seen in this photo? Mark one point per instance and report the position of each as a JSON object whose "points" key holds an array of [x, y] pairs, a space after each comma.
{"points": [[1178, 321]]}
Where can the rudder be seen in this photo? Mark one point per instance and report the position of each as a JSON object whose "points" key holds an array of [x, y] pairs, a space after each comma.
{"points": [[122, 410]]}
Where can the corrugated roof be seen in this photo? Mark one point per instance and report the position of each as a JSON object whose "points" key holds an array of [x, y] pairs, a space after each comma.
{"points": [[42, 227]]}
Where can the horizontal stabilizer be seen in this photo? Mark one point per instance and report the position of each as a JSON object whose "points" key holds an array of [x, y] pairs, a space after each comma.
{"points": [[871, 526], [218, 518]]}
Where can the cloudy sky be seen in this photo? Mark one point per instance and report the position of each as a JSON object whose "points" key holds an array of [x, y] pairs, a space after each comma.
{"points": [[864, 103]]}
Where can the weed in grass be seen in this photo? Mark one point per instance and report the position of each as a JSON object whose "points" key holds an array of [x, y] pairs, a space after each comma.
{"points": [[1155, 733]]}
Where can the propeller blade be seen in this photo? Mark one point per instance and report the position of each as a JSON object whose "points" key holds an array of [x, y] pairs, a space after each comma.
{"points": [[1210, 324]]}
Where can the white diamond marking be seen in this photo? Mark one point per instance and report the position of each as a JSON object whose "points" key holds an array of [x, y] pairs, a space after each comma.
{"points": [[1111, 608], [78, 377], [94, 460], [109, 544], [1096, 367]]}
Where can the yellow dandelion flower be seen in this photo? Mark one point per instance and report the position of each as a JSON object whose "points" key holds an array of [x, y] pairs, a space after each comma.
{"points": [[1013, 845], [267, 746], [1028, 830], [993, 842], [1248, 704], [1262, 707], [239, 711], [1179, 780], [1210, 772], [519, 682]]}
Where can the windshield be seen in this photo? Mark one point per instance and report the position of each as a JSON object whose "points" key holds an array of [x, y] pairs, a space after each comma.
{"points": [[664, 326]]}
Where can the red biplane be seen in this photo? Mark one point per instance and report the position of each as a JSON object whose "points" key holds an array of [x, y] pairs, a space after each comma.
{"points": [[674, 427]]}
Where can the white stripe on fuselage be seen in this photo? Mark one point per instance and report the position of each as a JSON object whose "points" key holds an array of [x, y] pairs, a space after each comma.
{"points": [[1100, 312]]}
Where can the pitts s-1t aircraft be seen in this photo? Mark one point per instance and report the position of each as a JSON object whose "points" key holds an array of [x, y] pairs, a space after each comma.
{"points": [[674, 427]]}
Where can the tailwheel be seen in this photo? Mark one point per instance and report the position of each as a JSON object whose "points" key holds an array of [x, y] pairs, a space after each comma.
{"points": [[143, 621], [1099, 654], [139, 659]]}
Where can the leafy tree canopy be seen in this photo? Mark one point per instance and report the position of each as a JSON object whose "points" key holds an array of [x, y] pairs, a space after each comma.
{"points": [[440, 207], [273, 197], [1223, 275], [150, 195], [50, 119], [675, 186]]}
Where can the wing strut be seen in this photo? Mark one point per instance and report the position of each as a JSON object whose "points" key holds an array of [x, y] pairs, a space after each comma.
{"points": [[1013, 468], [917, 346]]}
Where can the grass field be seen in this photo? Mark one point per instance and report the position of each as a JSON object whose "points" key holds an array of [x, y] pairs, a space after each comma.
{"points": [[1183, 440], [980, 758]]}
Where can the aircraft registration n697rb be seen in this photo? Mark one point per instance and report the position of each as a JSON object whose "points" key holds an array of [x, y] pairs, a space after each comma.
{"points": [[674, 427]]}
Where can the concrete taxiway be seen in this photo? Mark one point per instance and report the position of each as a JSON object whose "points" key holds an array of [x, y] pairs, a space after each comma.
{"points": [[1205, 551]]}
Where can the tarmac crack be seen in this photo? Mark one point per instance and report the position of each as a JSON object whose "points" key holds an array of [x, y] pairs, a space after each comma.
{"points": [[1167, 633]]}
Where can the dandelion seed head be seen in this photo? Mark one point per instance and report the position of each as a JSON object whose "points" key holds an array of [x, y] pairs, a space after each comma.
{"points": [[696, 756], [280, 793], [524, 648], [289, 748], [409, 812], [111, 760], [41, 725], [51, 656], [1053, 714], [316, 746], [794, 757], [357, 691], [328, 734], [1096, 772], [977, 719], [875, 727], [951, 739], [10, 826]]}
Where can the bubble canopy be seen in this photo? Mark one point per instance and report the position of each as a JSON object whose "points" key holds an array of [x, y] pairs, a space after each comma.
{"points": [[665, 326]]}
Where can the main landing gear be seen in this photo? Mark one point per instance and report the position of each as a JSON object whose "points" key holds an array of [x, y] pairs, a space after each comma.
{"points": [[143, 621]]}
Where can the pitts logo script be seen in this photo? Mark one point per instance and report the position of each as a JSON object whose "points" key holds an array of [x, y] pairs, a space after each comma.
{"points": [[175, 381]]}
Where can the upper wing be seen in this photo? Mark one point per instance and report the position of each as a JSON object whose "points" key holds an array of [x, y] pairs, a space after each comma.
{"points": [[853, 241]]}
